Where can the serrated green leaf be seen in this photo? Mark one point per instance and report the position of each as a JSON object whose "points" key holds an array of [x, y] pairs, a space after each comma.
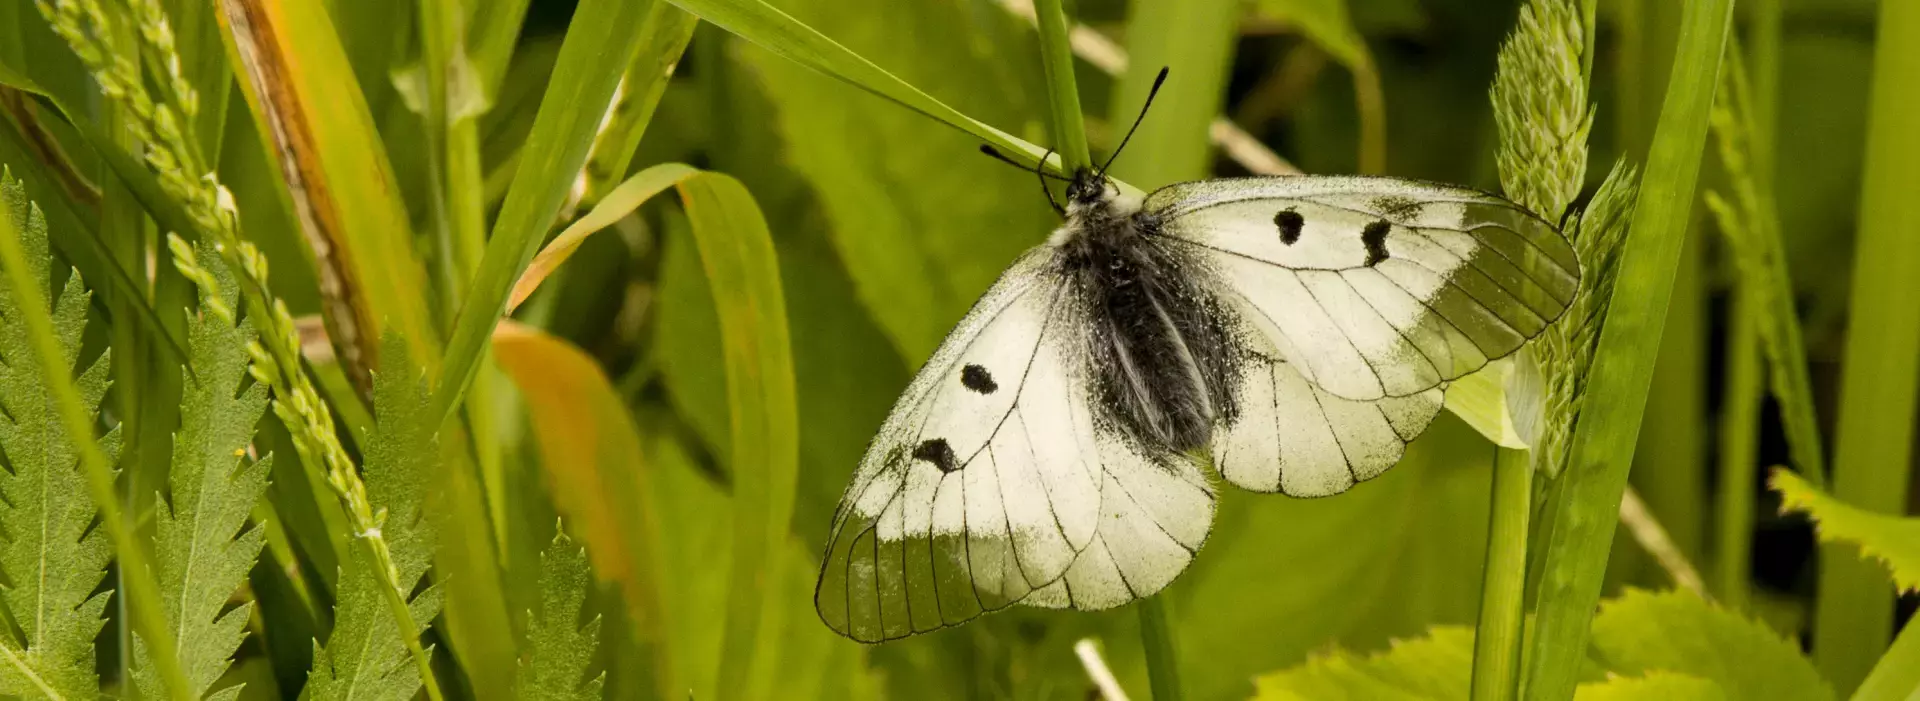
{"points": [[203, 555], [1655, 686], [364, 657], [1892, 540], [561, 648], [1678, 632], [1438, 666], [52, 557]]}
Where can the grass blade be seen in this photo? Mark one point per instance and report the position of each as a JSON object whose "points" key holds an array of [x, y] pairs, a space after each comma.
{"points": [[600, 41], [737, 252], [1601, 454], [1056, 56], [1873, 439], [762, 24], [1193, 39], [313, 119]]}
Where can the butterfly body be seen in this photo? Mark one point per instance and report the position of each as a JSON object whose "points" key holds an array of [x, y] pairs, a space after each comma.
{"points": [[1295, 333]]}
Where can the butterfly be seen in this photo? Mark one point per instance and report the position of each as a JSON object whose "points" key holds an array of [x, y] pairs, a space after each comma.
{"points": [[1293, 332]]}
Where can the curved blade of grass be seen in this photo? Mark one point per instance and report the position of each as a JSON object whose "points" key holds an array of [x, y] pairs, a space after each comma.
{"points": [[667, 29], [312, 117], [737, 252], [591, 452], [600, 42], [1056, 56], [618, 203], [776, 31], [1603, 442], [1873, 438]]}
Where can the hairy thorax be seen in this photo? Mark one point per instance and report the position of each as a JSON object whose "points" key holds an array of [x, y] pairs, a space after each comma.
{"points": [[1159, 354]]}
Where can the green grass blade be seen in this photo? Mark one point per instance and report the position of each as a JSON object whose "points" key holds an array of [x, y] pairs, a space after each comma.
{"points": [[1056, 56], [313, 119], [1163, 659], [1193, 39], [1873, 439], [737, 253], [617, 204], [762, 24], [667, 30], [1496, 653], [601, 39], [1603, 442]]}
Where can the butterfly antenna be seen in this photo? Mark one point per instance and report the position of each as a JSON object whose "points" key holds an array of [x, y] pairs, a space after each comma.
{"points": [[1040, 170], [1155, 90]]}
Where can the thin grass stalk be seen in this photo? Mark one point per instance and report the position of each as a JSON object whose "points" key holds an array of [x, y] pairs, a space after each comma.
{"points": [[1063, 94], [1603, 442], [137, 572], [1496, 643], [1873, 446], [1163, 661], [1739, 450]]}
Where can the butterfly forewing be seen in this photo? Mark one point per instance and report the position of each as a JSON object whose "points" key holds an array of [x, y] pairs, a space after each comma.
{"points": [[1375, 287]]}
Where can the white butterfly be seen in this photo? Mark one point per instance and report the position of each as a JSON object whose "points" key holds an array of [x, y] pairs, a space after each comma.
{"points": [[1296, 332]]}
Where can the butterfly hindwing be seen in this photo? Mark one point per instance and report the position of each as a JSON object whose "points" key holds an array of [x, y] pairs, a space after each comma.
{"points": [[1375, 287]]}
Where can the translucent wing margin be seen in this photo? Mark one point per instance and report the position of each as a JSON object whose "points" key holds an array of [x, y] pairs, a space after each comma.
{"points": [[1375, 287], [977, 491]]}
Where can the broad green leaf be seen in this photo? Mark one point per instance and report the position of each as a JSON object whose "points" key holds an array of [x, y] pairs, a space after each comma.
{"points": [[559, 648], [920, 242], [812, 656], [51, 554], [1893, 540], [1655, 686], [592, 458], [1678, 632], [204, 553], [364, 657], [601, 39], [1435, 667], [313, 118]]}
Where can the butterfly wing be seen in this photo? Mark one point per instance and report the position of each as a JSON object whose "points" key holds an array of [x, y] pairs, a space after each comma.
{"points": [[1375, 287], [990, 478], [1360, 299]]}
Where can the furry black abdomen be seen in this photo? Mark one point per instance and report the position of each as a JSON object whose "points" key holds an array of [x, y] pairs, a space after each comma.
{"points": [[1160, 352]]}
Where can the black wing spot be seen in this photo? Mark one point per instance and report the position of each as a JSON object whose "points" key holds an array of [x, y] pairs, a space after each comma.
{"points": [[1375, 238], [1290, 223], [977, 378], [937, 451]]}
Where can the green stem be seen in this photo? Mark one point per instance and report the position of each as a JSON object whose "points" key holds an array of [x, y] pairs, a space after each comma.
{"points": [[1873, 436], [1056, 55], [1496, 641], [1601, 454], [1163, 662], [137, 573]]}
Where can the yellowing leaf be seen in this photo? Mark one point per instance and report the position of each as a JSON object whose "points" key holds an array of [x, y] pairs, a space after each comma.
{"points": [[1892, 540], [591, 455]]}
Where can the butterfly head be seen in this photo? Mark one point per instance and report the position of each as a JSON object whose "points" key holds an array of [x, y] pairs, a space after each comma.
{"points": [[1089, 188]]}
